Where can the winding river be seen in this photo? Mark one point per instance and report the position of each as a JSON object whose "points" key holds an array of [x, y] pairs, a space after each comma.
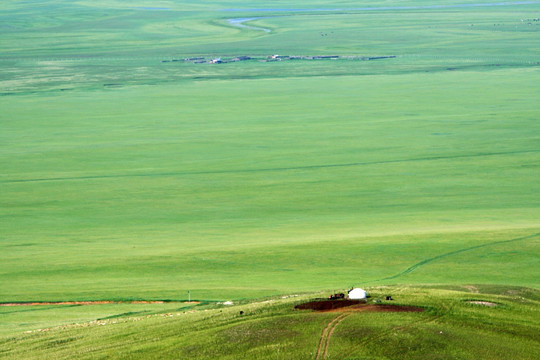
{"points": [[240, 22]]}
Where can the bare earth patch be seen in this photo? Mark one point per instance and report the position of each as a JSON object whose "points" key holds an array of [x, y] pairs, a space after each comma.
{"points": [[483, 303], [354, 305]]}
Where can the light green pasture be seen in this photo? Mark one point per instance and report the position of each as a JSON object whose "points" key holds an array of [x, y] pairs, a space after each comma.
{"points": [[150, 191], [126, 177]]}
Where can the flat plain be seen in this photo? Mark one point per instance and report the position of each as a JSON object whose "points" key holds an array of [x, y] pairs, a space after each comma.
{"points": [[407, 164]]}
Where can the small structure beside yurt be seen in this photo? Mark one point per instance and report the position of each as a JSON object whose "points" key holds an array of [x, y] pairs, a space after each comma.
{"points": [[357, 294]]}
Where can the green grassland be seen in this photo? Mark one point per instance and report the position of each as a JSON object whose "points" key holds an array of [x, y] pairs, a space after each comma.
{"points": [[146, 180], [449, 328], [129, 176]]}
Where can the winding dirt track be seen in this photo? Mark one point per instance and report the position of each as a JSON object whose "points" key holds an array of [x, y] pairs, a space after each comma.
{"points": [[327, 332], [348, 308], [345, 308]]}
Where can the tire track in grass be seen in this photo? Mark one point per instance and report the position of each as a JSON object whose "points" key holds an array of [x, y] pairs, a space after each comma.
{"points": [[444, 309], [451, 253], [324, 342], [277, 169], [327, 332]]}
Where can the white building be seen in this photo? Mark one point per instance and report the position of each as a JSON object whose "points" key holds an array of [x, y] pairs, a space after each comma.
{"points": [[357, 294]]}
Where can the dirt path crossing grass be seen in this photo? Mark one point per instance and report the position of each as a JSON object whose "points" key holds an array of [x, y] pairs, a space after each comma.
{"points": [[322, 349]]}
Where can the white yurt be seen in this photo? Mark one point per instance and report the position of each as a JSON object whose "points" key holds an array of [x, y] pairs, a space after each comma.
{"points": [[357, 293]]}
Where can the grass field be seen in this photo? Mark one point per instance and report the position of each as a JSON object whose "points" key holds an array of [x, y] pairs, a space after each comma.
{"points": [[129, 176], [450, 327]]}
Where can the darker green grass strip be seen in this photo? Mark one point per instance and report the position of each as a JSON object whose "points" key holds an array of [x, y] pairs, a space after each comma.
{"points": [[291, 168], [435, 258]]}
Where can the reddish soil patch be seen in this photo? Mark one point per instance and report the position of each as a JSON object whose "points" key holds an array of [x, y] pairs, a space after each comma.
{"points": [[326, 305], [99, 302], [354, 305]]}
